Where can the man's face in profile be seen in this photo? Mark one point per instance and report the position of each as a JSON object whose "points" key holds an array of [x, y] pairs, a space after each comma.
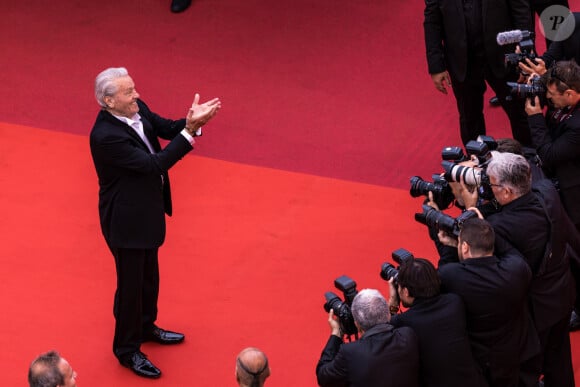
{"points": [[124, 102], [69, 374]]}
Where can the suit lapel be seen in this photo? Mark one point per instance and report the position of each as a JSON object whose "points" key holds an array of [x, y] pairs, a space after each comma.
{"points": [[148, 130]]}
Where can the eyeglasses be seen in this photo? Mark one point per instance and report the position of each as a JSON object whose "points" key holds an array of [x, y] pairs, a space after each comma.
{"points": [[495, 185]]}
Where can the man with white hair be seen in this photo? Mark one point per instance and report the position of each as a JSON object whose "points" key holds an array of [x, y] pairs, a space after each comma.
{"points": [[535, 223], [383, 356], [134, 196]]}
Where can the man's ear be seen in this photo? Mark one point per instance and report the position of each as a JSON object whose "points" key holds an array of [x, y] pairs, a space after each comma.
{"points": [[109, 101], [465, 249]]}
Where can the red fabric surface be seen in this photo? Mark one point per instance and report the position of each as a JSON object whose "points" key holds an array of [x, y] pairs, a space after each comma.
{"points": [[302, 177]]}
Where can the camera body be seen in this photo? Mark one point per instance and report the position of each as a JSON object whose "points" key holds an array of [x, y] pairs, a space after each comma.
{"points": [[442, 194], [481, 150], [433, 218], [522, 90], [527, 51], [400, 256], [341, 308]]}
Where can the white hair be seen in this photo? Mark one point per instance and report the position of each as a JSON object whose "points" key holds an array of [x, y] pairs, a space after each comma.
{"points": [[511, 170], [104, 85], [369, 308]]}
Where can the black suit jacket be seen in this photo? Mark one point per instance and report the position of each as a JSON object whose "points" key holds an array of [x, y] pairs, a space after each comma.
{"points": [[495, 293], [446, 35], [441, 327], [566, 49], [382, 357], [133, 195], [537, 226], [558, 145]]}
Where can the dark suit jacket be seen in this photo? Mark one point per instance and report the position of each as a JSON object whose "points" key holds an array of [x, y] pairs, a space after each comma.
{"points": [[133, 197], [444, 348], [536, 225], [382, 357], [566, 49], [495, 293], [446, 35], [558, 145]]}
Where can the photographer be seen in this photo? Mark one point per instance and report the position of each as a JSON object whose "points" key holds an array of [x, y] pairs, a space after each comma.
{"points": [[417, 287], [383, 356], [494, 291], [557, 135], [534, 222], [562, 48]]}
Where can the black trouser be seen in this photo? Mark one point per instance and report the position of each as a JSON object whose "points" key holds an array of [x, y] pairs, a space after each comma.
{"points": [[135, 307], [469, 97], [555, 361]]}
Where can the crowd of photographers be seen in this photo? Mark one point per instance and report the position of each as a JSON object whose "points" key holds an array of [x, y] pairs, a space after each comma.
{"points": [[498, 308]]}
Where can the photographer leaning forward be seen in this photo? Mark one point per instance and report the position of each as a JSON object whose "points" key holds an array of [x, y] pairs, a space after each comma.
{"points": [[556, 137], [383, 356], [417, 286], [494, 290], [534, 222]]}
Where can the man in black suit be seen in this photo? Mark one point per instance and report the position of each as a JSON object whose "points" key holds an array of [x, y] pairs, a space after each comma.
{"points": [[494, 291], [557, 135], [462, 52], [383, 356], [440, 323], [535, 223], [134, 196]]}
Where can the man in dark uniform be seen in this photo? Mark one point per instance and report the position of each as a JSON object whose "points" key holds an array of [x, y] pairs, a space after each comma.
{"points": [[535, 223], [494, 290], [134, 196], [462, 52], [382, 357], [440, 323]]}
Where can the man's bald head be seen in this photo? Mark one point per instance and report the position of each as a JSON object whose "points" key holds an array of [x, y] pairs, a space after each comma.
{"points": [[252, 368]]}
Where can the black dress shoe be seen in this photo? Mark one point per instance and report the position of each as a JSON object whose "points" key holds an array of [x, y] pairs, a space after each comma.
{"points": [[179, 5], [162, 336], [494, 101], [138, 363], [574, 322]]}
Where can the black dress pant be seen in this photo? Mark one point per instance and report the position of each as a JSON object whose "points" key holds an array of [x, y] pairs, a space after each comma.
{"points": [[135, 306], [555, 361], [469, 96]]}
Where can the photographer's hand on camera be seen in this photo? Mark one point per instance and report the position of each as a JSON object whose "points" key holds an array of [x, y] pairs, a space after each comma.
{"points": [[430, 202], [334, 325], [394, 300], [468, 195], [446, 239], [529, 68], [533, 106]]}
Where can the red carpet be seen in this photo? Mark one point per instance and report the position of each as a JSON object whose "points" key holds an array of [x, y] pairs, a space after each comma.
{"points": [[302, 177], [249, 255]]}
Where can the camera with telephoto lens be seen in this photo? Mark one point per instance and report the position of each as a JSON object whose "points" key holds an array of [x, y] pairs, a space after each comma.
{"points": [[522, 90], [341, 308], [442, 194], [473, 176], [527, 51], [433, 218], [400, 256]]}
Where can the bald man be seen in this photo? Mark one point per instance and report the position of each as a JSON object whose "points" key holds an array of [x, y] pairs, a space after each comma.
{"points": [[252, 368], [51, 370]]}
